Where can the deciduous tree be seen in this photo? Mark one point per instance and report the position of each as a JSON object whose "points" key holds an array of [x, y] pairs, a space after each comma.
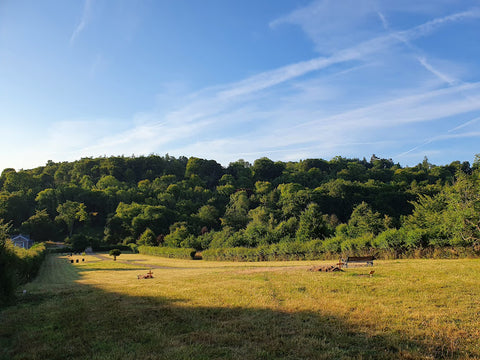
{"points": [[71, 211]]}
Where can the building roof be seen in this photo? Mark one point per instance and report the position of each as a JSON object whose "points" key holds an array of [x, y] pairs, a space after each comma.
{"points": [[21, 237]]}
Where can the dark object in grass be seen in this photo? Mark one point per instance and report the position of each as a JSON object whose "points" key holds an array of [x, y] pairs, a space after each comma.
{"points": [[325, 268]]}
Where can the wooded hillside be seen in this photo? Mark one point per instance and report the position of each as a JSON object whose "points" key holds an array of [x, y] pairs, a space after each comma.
{"points": [[342, 204]]}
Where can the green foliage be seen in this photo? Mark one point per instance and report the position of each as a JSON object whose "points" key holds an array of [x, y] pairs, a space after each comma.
{"points": [[333, 244], [450, 217], [360, 245], [286, 250], [286, 229], [415, 239], [218, 239], [18, 181], [39, 226], [207, 216], [313, 224], [6, 269], [17, 265], [71, 211], [208, 171], [115, 253], [363, 221], [47, 199], [392, 239], [131, 220], [265, 169], [148, 238], [241, 171], [107, 248], [79, 242], [177, 253], [257, 234], [178, 234], [236, 214], [108, 182], [196, 203], [293, 199], [16, 207]]}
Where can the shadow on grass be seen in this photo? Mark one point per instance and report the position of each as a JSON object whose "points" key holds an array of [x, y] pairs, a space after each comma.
{"points": [[84, 322], [88, 269]]}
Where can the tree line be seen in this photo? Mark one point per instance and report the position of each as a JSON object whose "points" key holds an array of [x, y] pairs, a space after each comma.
{"points": [[344, 205]]}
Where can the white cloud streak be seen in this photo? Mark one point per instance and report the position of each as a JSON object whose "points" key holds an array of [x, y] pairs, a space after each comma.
{"points": [[83, 21], [294, 119], [430, 26], [358, 52], [212, 110], [473, 134], [443, 77]]}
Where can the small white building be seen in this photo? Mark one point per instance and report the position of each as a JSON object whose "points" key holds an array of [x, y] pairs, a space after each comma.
{"points": [[23, 241]]}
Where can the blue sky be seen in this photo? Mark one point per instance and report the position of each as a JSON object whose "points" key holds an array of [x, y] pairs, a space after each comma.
{"points": [[229, 80]]}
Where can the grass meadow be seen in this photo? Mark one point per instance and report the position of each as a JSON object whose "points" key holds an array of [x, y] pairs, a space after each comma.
{"points": [[98, 309]]}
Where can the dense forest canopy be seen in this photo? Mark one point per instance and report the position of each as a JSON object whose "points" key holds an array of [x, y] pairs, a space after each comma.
{"points": [[197, 203]]}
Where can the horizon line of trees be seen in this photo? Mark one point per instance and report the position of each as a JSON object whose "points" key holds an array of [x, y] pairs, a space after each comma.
{"points": [[345, 204]]}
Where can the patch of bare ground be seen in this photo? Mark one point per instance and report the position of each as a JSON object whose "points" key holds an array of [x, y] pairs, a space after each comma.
{"points": [[271, 269]]}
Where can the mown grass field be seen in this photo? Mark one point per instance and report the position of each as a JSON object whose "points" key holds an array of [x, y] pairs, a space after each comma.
{"points": [[98, 309]]}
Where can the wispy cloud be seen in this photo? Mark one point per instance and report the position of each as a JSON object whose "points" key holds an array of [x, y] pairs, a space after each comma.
{"points": [[472, 134], [277, 131], [87, 6], [384, 20], [444, 77], [356, 52], [465, 124], [430, 26], [321, 107], [417, 53], [282, 111]]}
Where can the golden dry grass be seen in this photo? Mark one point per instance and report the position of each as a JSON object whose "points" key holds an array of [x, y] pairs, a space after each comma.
{"points": [[409, 309]]}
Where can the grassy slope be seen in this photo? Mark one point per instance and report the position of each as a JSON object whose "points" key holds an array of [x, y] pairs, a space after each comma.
{"points": [[419, 309]]}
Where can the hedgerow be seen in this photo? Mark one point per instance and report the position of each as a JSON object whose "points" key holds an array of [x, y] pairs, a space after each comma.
{"points": [[294, 250], [17, 266], [384, 246], [169, 252]]}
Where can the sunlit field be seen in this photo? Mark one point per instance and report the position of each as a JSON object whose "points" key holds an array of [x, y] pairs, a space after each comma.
{"points": [[99, 309]]}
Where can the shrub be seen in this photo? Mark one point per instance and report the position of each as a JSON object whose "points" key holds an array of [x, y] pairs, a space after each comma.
{"points": [[115, 253], [17, 266], [313, 249], [148, 238], [333, 244], [357, 246], [391, 239], [80, 242], [106, 248], [133, 247], [285, 250], [178, 233], [416, 239]]}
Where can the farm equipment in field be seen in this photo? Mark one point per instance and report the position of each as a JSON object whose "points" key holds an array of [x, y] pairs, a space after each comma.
{"points": [[149, 275]]}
